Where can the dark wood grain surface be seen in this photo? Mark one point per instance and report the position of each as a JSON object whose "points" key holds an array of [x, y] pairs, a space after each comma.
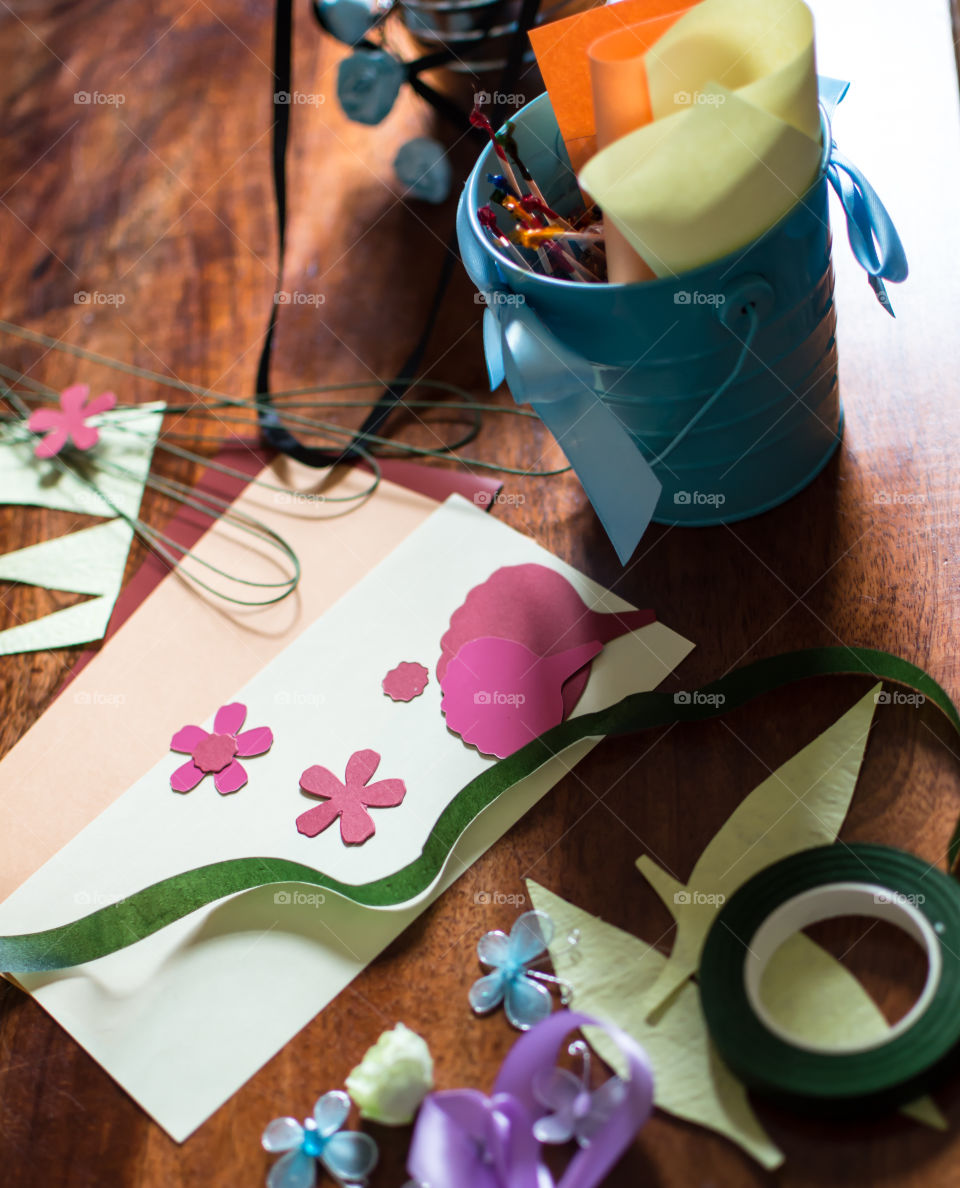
{"points": [[165, 198]]}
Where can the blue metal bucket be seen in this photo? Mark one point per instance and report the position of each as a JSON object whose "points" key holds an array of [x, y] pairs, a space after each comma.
{"points": [[668, 345]]}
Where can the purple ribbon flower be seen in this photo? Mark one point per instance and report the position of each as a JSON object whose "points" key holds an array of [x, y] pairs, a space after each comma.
{"points": [[464, 1138]]}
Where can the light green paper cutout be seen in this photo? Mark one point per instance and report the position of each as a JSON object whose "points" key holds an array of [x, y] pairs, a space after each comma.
{"points": [[85, 562], [800, 805], [92, 560]]}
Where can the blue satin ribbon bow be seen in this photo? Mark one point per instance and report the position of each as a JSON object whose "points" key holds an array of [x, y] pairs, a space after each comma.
{"points": [[565, 389], [873, 237]]}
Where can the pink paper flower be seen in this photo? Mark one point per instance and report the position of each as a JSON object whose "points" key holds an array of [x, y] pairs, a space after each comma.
{"points": [[70, 423], [216, 754], [406, 681], [349, 801]]}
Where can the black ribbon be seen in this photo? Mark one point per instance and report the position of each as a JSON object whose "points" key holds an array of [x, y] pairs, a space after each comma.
{"points": [[274, 433]]}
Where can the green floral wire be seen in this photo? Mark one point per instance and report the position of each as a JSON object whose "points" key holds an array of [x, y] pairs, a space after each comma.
{"points": [[330, 429], [290, 400], [181, 492], [219, 400], [203, 459], [152, 537]]}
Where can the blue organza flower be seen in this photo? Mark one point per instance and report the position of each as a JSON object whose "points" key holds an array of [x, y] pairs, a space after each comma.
{"points": [[422, 166], [348, 1157], [512, 982], [368, 83]]}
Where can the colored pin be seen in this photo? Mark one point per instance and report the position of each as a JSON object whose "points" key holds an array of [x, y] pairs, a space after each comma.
{"points": [[513, 207], [508, 142], [479, 120], [532, 237], [488, 220], [499, 182], [566, 264], [535, 205]]}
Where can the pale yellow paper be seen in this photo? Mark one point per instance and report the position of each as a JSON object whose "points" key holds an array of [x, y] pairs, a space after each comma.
{"points": [[610, 969], [762, 49], [801, 805], [735, 138]]}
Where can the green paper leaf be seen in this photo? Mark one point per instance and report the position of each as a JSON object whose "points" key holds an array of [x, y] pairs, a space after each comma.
{"points": [[92, 560], [800, 805]]}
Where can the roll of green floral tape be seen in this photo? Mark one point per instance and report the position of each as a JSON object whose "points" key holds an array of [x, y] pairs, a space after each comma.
{"points": [[820, 884]]}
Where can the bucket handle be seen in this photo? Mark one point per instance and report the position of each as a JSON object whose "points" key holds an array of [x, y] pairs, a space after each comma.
{"points": [[747, 298]]}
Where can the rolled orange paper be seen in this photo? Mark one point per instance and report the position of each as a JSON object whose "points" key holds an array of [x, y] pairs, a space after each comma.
{"points": [[561, 49], [621, 104]]}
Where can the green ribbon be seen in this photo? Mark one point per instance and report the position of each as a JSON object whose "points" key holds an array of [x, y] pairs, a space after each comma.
{"points": [[147, 911]]}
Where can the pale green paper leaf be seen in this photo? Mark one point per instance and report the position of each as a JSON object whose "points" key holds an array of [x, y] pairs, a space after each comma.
{"points": [[84, 562], [91, 561], [127, 438], [800, 805]]}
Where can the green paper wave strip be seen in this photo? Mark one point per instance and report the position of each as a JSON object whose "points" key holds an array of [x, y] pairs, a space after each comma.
{"points": [[122, 924]]}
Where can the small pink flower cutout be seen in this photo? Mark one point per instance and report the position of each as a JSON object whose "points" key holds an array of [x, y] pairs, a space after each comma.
{"points": [[216, 754], [70, 423], [406, 681], [350, 800]]}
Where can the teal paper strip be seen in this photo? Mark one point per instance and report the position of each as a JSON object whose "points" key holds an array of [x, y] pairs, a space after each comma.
{"points": [[121, 924]]}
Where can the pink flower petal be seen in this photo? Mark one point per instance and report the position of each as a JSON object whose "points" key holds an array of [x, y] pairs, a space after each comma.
{"points": [[187, 738], [356, 824], [52, 444], [361, 765], [255, 741], [231, 779], [186, 778], [230, 718], [316, 819], [383, 794], [44, 418], [319, 781], [85, 437], [101, 404], [73, 399]]}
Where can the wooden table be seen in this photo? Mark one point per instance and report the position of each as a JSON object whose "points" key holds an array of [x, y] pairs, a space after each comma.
{"points": [[165, 198]]}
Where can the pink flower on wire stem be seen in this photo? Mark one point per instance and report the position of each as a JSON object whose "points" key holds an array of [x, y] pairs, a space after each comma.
{"points": [[69, 424], [348, 800], [217, 754]]}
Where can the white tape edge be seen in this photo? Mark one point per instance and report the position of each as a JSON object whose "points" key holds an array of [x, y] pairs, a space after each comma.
{"points": [[826, 903]]}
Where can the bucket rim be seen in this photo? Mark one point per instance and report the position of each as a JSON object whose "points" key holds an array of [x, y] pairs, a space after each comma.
{"points": [[510, 270]]}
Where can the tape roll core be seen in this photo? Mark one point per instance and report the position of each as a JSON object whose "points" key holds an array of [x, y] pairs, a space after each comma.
{"points": [[817, 884], [828, 902]]}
